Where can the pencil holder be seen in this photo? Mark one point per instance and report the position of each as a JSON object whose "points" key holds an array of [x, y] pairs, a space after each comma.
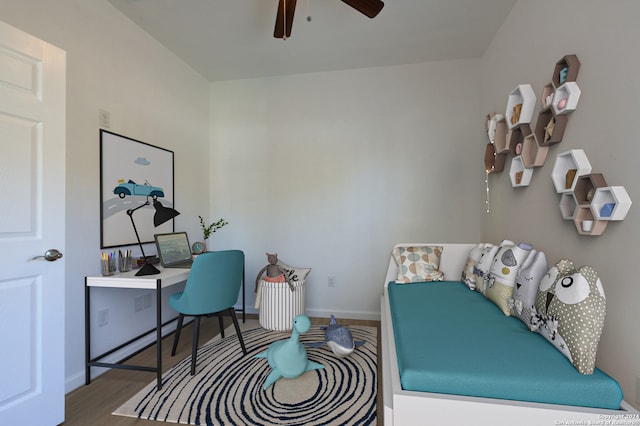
{"points": [[108, 266], [124, 263]]}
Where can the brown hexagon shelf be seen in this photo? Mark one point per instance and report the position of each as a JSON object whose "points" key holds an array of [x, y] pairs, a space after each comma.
{"points": [[572, 66], [550, 127], [586, 187], [500, 161], [515, 138]]}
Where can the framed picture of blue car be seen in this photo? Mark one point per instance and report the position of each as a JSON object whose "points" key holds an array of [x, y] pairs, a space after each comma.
{"points": [[132, 173]]}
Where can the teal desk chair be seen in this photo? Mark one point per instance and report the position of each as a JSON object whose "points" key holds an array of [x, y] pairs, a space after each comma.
{"points": [[212, 288]]}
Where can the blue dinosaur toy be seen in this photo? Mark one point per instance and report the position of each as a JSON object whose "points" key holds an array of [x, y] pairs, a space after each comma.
{"points": [[288, 358], [338, 338]]}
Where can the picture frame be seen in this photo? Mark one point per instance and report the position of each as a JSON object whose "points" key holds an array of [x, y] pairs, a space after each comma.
{"points": [[132, 172]]}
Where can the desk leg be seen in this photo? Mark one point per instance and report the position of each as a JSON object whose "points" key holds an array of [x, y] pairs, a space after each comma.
{"points": [[159, 331], [87, 334]]}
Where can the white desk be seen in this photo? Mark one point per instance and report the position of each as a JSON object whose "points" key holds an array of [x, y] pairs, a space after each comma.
{"points": [[166, 278]]}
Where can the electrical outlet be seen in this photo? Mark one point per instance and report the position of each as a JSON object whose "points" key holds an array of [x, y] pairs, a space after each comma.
{"points": [[331, 281], [103, 317], [138, 303]]}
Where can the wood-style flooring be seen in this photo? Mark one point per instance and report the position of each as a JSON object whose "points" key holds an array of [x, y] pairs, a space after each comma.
{"points": [[93, 404]]}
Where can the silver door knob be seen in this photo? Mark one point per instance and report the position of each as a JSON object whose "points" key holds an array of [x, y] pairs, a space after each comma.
{"points": [[51, 255]]}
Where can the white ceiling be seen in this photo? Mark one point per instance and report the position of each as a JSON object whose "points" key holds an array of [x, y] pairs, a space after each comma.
{"points": [[233, 39]]}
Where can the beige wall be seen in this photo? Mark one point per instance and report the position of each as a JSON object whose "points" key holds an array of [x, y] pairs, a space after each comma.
{"points": [[604, 36], [329, 170]]}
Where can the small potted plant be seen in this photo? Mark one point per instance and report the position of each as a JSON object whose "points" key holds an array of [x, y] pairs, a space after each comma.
{"points": [[207, 230]]}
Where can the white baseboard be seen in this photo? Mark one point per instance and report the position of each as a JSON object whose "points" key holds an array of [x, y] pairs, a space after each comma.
{"points": [[321, 313]]}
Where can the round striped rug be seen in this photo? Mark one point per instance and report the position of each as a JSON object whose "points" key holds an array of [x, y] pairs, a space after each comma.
{"points": [[227, 387]]}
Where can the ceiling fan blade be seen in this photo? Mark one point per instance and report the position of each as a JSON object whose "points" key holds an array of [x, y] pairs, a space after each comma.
{"points": [[368, 8], [284, 18]]}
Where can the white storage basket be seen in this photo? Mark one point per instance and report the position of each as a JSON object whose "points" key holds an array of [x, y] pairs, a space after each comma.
{"points": [[280, 305]]}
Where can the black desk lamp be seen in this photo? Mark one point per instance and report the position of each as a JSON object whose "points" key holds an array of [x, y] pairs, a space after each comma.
{"points": [[162, 215]]}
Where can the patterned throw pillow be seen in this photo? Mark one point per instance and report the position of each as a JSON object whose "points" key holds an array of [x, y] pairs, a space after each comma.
{"points": [[527, 282], [503, 273], [293, 273], [569, 312], [469, 275], [418, 264], [481, 271]]}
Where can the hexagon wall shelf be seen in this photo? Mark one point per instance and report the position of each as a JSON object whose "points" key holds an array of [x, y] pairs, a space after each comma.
{"points": [[533, 155], [519, 174], [566, 97], [568, 167], [566, 69], [520, 106], [550, 127], [610, 203]]}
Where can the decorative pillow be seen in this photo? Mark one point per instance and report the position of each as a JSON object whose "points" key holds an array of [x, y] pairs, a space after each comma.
{"points": [[469, 275], [292, 273], [526, 287], [569, 312], [502, 275], [487, 253], [418, 264]]}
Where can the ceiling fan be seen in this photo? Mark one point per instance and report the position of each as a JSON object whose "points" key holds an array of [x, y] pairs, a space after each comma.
{"points": [[286, 9]]}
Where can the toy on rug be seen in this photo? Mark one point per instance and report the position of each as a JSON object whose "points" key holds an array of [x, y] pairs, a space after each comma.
{"points": [[288, 358], [275, 273], [338, 338]]}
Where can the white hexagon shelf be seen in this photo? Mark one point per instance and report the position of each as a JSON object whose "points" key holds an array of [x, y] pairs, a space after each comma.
{"points": [[568, 206], [520, 106], [518, 173], [610, 203], [568, 167], [566, 97]]}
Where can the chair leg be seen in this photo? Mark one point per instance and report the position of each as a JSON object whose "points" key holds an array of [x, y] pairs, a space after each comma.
{"points": [[194, 348], [221, 323], [176, 336], [232, 311]]}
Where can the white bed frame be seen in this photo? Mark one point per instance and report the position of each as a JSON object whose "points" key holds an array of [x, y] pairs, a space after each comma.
{"points": [[410, 408]]}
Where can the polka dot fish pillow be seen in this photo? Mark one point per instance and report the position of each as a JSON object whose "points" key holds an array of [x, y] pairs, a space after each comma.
{"points": [[569, 312]]}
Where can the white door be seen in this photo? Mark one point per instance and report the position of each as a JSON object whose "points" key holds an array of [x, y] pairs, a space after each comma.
{"points": [[32, 201]]}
